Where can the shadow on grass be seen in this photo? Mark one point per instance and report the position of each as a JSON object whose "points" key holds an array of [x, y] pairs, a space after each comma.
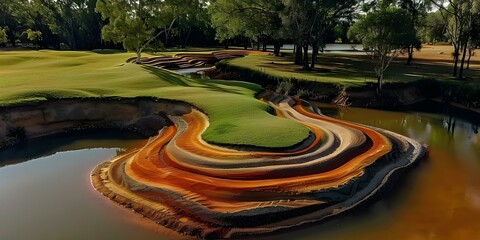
{"points": [[171, 78], [107, 51], [360, 66], [213, 85]]}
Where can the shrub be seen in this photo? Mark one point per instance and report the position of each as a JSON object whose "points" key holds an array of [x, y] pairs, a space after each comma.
{"points": [[303, 92], [284, 86], [64, 46]]}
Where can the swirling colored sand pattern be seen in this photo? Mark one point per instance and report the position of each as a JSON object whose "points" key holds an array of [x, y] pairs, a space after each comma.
{"points": [[197, 188]]}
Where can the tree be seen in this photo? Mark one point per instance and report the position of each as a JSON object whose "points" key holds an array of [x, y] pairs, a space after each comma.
{"points": [[71, 22], [310, 22], [11, 18], [34, 36], [385, 34], [434, 29], [472, 9], [329, 14], [3, 36], [258, 20], [300, 19], [417, 10], [474, 42], [459, 16], [135, 24], [195, 21]]}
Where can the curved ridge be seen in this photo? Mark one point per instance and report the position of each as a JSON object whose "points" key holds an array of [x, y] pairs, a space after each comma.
{"points": [[190, 60], [191, 186]]}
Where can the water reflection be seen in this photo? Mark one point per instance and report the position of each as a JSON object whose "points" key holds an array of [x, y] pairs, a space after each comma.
{"points": [[50, 197], [438, 199], [196, 72], [46, 146]]}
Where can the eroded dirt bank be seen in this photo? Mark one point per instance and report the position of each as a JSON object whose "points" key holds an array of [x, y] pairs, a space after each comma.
{"points": [[142, 115], [394, 96]]}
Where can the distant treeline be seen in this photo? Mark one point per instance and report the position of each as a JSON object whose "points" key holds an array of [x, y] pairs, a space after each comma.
{"points": [[139, 25], [75, 24]]}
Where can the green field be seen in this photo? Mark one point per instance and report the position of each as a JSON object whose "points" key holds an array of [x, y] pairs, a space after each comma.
{"points": [[236, 117], [354, 69]]}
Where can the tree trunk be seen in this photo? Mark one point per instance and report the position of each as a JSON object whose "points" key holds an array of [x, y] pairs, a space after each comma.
{"points": [[187, 37], [276, 48], [305, 57], [298, 54], [314, 55], [410, 55], [139, 57], [73, 43], [456, 52], [463, 60], [180, 36], [12, 40], [245, 42], [166, 38], [380, 81], [470, 53], [264, 46]]}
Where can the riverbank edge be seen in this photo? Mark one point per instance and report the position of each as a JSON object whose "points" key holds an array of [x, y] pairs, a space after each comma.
{"points": [[394, 96], [23, 121]]}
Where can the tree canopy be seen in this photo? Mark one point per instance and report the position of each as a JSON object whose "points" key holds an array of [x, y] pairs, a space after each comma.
{"points": [[256, 20], [461, 18], [3, 36], [34, 36], [138, 25], [384, 33]]}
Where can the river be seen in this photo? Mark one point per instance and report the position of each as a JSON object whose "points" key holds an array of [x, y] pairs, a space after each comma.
{"points": [[45, 191], [330, 48]]}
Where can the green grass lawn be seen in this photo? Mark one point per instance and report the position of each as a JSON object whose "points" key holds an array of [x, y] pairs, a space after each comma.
{"points": [[352, 70], [236, 117]]}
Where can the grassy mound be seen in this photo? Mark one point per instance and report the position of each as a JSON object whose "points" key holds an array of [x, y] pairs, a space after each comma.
{"points": [[236, 117]]}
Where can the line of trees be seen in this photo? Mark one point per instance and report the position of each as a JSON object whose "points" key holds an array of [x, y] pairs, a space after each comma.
{"points": [[78, 24], [138, 25], [308, 24], [71, 24], [462, 21]]}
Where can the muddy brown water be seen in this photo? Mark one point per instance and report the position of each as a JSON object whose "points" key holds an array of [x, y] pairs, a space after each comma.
{"points": [[45, 191]]}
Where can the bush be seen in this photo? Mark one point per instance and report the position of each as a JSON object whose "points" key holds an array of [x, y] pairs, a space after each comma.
{"points": [[64, 46], [303, 92], [284, 87]]}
